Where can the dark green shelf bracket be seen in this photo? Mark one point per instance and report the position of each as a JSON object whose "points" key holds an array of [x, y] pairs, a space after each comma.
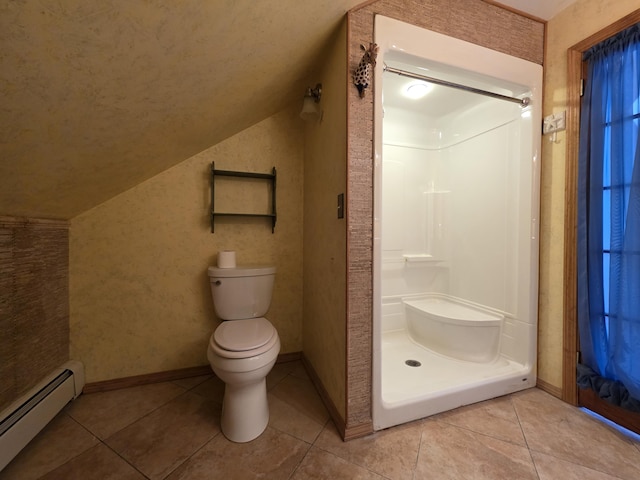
{"points": [[271, 177]]}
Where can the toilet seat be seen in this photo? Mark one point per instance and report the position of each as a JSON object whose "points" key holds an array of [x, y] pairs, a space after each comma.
{"points": [[244, 338]]}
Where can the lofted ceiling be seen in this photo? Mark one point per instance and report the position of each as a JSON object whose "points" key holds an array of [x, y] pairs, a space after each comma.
{"points": [[97, 96]]}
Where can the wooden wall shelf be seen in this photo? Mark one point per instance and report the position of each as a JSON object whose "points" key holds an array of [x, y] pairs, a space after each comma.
{"points": [[270, 177]]}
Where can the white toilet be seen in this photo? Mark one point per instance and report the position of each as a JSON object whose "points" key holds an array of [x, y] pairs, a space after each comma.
{"points": [[244, 348]]}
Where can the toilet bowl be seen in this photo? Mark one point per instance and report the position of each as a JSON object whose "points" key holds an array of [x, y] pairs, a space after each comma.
{"points": [[242, 351]]}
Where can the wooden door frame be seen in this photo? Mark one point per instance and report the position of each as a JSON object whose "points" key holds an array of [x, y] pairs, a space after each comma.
{"points": [[570, 324]]}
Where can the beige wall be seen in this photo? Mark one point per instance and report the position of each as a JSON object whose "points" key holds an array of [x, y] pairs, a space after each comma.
{"points": [[325, 234], [577, 22], [139, 294]]}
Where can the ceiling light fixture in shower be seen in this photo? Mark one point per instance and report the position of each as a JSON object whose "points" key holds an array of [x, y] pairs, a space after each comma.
{"points": [[416, 90]]}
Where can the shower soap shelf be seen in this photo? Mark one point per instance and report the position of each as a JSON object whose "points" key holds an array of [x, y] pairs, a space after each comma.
{"points": [[420, 257], [270, 177]]}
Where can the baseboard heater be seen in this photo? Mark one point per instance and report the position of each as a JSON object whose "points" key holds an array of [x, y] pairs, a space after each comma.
{"points": [[24, 418]]}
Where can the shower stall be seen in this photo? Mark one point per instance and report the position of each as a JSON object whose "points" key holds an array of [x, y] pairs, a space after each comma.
{"points": [[456, 202]]}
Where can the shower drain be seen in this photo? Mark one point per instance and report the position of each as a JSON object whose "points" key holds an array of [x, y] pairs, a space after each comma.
{"points": [[413, 363]]}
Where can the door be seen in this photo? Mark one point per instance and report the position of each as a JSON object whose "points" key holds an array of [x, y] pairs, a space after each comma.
{"points": [[574, 256]]}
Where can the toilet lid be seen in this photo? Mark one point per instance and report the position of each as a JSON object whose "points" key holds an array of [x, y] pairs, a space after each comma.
{"points": [[243, 335]]}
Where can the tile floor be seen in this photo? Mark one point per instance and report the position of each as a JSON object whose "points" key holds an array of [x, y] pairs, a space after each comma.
{"points": [[171, 430]]}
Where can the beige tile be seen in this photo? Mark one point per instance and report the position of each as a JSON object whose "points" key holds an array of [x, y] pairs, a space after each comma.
{"points": [[449, 452], [61, 440], [635, 439], [286, 418], [299, 371], [391, 453], [100, 462], [552, 468], [302, 396], [212, 389], [191, 382], [273, 455], [159, 442], [556, 428], [107, 412], [321, 465], [179, 436], [279, 372], [496, 418]]}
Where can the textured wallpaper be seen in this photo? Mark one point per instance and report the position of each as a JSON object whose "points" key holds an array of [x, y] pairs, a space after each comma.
{"points": [[139, 293], [34, 303], [325, 249], [100, 95]]}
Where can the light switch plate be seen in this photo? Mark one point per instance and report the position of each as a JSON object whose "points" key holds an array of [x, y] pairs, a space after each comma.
{"points": [[554, 123]]}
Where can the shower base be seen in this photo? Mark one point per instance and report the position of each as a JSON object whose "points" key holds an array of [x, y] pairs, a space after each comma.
{"points": [[440, 383]]}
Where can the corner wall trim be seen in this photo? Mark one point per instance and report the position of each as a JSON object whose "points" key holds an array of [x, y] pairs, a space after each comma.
{"points": [[158, 377], [168, 376], [358, 431], [347, 433], [550, 389], [324, 396]]}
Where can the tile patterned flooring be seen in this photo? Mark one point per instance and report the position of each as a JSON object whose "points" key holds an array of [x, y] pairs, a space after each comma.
{"points": [[172, 431]]}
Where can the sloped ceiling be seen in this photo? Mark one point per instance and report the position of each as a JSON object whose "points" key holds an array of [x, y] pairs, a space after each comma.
{"points": [[97, 96]]}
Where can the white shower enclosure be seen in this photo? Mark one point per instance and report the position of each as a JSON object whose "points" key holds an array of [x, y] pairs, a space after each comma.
{"points": [[456, 204]]}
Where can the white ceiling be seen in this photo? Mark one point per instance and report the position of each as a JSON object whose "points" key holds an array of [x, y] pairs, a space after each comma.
{"points": [[544, 9]]}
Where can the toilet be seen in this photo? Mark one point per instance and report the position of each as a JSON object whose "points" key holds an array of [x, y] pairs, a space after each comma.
{"points": [[243, 348]]}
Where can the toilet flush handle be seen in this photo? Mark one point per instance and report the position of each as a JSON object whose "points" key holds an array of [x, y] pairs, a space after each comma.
{"points": [[217, 282]]}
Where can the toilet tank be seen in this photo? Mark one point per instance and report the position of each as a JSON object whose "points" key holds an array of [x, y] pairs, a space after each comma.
{"points": [[241, 292]]}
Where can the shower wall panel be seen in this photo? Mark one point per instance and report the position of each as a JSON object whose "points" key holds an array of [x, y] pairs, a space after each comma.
{"points": [[451, 192], [479, 223]]}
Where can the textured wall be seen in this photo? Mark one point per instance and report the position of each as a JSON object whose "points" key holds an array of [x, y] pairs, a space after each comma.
{"points": [[324, 233], [471, 20], [100, 95], [569, 27], [139, 292], [34, 303]]}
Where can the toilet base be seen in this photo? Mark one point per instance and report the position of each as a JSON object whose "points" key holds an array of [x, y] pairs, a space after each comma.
{"points": [[245, 411]]}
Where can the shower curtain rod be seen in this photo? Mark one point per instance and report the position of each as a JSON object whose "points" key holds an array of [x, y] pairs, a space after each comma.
{"points": [[523, 102]]}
